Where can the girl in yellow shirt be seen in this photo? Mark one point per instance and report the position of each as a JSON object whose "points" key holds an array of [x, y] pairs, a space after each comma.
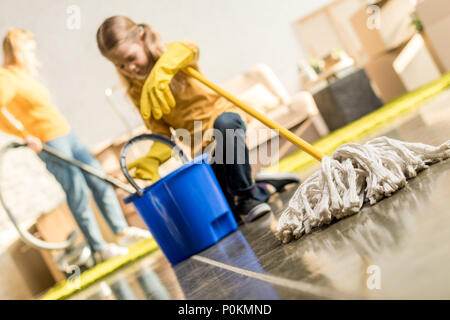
{"points": [[29, 103], [168, 99]]}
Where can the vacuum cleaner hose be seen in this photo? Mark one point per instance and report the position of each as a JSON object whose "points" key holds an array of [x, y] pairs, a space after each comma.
{"points": [[24, 234]]}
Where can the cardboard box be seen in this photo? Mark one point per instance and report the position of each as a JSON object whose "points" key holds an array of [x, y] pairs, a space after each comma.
{"points": [[435, 17], [415, 65], [394, 22], [32, 268], [385, 80]]}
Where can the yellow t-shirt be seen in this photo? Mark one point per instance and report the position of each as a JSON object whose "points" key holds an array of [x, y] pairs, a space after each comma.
{"points": [[29, 102]]}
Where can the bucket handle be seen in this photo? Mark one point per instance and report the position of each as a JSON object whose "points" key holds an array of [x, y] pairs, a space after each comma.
{"points": [[147, 136]]}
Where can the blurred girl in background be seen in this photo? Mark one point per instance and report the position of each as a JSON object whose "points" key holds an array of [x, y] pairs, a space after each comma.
{"points": [[29, 103]]}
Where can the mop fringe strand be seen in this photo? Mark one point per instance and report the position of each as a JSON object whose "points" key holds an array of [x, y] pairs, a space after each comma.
{"points": [[354, 175]]}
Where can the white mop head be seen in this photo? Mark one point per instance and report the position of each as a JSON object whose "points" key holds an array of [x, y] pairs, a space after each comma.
{"points": [[354, 175]]}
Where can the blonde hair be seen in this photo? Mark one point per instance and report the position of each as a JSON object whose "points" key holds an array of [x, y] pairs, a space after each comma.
{"points": [[117, 29], [13, 54]]}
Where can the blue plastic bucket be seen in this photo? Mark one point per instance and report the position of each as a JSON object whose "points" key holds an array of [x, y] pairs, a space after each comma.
{"points": [[186, 211]]}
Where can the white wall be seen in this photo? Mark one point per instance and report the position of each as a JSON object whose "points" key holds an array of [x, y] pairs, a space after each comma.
{"points": [[233, 36]]}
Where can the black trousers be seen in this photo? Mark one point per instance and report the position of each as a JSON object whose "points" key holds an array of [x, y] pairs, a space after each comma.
{"points": [[231, 163]]}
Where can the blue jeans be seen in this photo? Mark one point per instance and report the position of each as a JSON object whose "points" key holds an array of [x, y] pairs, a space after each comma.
{"points": [[76, 184]]}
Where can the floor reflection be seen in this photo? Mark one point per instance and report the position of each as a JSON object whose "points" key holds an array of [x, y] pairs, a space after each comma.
{"points": [[220, 283], [151, 285], [151, 278], [339, 255]]}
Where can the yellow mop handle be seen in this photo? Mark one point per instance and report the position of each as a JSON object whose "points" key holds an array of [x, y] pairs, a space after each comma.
{"points": [[302, 144]]}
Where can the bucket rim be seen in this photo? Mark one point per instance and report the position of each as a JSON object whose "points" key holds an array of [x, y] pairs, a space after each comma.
{"points": [[202, 159]]}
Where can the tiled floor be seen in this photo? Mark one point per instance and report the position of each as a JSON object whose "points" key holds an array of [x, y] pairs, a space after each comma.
{"points": [[398, 248]]}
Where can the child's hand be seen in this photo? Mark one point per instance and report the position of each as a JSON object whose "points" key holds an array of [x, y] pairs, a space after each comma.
{"points": [[34, 143], [156, 97], [146, 167]]}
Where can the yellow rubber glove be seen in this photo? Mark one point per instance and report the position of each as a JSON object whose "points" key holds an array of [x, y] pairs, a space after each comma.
{"points": [[146, 167], [156, 97]]}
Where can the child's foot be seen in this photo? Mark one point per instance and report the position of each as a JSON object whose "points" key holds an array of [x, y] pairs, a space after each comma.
{"points": [[132, 235], [109, 251], [277, 180], [249, 209]]}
